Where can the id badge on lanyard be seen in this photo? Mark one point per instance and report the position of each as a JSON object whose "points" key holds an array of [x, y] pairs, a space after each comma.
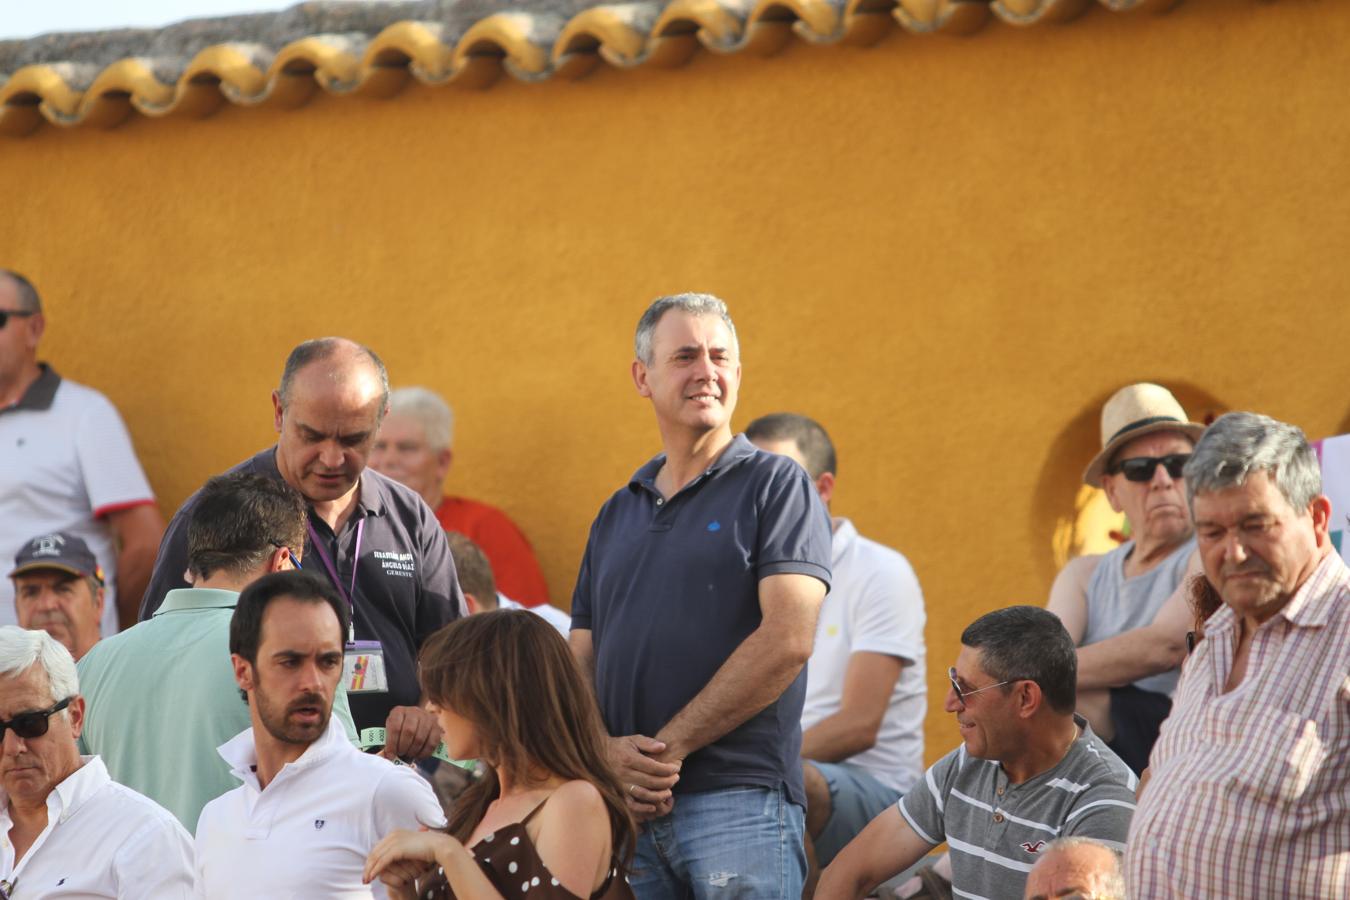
{"points": [[363, 670]]}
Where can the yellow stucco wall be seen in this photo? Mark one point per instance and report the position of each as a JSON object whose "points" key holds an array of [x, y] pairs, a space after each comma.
{"points": [[949, 250]]}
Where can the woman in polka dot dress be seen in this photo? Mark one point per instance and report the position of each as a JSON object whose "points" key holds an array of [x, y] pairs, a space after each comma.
{"points": [[548, 819]]}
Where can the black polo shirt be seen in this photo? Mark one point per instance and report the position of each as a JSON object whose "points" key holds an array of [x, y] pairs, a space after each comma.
{"points": [[405, 579], [669, 589]]}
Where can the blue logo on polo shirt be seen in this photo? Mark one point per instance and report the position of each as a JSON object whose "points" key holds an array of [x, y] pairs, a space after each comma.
{"points": [[714, 525]]}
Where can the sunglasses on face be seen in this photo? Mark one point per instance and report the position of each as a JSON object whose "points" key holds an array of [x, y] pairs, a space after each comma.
{"points": [[32, 724], [961, 695], [1140, 468], [18, 313]]}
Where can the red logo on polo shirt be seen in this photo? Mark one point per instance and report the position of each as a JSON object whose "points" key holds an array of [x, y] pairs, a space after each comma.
{"points": [[1033, 848]]}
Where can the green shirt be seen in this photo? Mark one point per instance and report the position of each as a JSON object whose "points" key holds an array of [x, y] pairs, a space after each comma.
{"points": [[161, 697]]}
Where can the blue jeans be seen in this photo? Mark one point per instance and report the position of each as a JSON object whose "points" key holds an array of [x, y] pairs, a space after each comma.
{"points": [[733, 842], [856, 798]]}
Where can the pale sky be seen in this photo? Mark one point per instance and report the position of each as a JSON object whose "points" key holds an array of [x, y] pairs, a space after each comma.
{"points": [[26, 18]]}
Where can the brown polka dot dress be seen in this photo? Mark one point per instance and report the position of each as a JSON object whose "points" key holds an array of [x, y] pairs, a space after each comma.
{"points": [[509, 860]]}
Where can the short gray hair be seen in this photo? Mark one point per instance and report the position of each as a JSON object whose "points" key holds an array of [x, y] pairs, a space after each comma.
{"points": [[29, 301], [693, 304], [429, 410], [1239, 444], [1108, 885], [20, 648]]}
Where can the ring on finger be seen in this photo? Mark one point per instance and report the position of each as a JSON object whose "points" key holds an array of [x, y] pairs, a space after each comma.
{"points": [[632, 789]]}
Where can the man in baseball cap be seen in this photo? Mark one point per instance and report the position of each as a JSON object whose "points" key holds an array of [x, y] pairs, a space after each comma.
{"points": [[1126, 609], [58, 588]]}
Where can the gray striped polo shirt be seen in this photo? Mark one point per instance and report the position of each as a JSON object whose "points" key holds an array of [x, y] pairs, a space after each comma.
{"points": [[995, 830]]}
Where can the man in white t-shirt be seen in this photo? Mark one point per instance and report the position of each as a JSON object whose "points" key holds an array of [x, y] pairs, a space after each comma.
{"points": [[67, 465], [311, 806], [862, 740], [479, 584]]}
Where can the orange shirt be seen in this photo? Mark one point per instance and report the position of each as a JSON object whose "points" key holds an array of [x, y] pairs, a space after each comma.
{"points": [[513, 564]]}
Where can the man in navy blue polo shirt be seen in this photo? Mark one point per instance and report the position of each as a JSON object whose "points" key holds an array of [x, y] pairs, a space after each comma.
{"points": [[377, 541], [695, 610]]}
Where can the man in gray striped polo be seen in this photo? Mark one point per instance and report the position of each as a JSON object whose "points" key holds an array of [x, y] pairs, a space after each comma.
{"points": [[1028, 771]]}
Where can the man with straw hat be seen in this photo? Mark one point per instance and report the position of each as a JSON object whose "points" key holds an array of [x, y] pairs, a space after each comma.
{"points": [[1126, 609]]}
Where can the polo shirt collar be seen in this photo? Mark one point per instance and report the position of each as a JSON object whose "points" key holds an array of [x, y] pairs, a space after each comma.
{"points": [[198, 598], [739, 449], [371, 499], [79, 786], [844, 535], [242, 754], [41, 393]]}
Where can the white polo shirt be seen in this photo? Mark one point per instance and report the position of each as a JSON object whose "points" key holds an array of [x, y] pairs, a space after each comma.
{"points": [[307, 835], [101, 840], [874, 605], [66, 461]]}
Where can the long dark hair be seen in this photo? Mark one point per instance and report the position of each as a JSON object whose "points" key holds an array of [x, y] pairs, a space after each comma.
{"points": [[512, 675]]}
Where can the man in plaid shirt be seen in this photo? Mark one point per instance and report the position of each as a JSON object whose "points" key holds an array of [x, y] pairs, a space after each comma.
{"points": [[1250, 789]]}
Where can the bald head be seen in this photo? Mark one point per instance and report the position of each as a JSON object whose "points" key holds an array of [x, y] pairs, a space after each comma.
{"points": [[337, 360], [1076, 867], [17, 292]]}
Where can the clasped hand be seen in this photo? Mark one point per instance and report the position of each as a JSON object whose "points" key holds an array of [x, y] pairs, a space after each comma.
{"points": [[648, 773]]}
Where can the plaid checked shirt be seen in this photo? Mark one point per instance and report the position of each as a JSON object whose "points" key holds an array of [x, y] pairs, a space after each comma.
{"points": [[1250, 790]]}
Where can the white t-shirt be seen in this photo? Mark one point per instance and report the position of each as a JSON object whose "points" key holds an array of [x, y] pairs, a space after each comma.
{"points": [[102, 840], [62, 468], [307, 835], [546, 611], [874, 605]]}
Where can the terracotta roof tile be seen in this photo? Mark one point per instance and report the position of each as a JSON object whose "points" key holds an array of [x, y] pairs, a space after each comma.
{"points": [[374, 48]]}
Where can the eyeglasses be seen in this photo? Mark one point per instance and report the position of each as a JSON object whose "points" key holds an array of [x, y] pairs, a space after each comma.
{"points": [[1140, 468], [962, 695], [32, 724], [18, 313]]}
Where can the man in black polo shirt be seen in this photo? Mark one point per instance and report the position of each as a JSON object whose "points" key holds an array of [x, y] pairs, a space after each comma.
{"points": [[695, 610], [375, 540]]}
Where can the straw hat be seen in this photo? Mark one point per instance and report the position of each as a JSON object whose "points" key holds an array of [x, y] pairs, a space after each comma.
{"points": [[1132, 412]]}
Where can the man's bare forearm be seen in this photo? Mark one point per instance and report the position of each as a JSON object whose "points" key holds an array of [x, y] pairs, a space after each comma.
{"points": [[754, 676], [869, 681], [136, 532], [837, 737], [134, 566], [1128, 657]]}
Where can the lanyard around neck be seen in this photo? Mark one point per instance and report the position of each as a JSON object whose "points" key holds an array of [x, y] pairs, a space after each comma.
{"points": [[348, 593]]}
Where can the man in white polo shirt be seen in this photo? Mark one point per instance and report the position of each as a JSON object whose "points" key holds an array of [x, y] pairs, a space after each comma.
{"points": [[68, 829], [862, 738], [67, 465], [311, 806]]}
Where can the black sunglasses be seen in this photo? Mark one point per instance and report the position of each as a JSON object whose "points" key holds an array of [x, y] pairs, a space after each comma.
{"points": [[1140, 468], [20, 313], [32, 724]]}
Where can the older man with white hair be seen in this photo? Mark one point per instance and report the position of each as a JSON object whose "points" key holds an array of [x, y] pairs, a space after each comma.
{"points": [[415, 448], [69, 829]]}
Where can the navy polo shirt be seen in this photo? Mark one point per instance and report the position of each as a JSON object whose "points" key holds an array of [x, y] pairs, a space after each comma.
{"points": [[669, 589], [405, 579]]}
